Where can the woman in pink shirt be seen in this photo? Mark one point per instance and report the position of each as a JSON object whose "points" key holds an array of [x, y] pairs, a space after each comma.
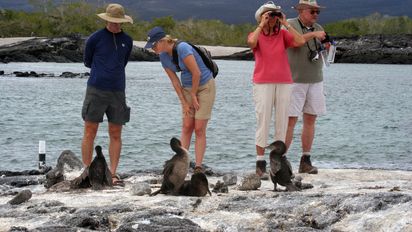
{"points": [[272, 77]]}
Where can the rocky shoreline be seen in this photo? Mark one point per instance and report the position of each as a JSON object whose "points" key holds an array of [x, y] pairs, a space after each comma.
{"points": [[370, 49], [340, 200]]}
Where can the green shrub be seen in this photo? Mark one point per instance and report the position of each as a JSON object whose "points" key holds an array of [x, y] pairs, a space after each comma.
{"points": [[80, 18]]}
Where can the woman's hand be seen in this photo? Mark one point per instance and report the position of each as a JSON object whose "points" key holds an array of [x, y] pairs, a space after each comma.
{"points": [[186, 108], [264, 19], [195, 102], [283, 20], [193, 67]]}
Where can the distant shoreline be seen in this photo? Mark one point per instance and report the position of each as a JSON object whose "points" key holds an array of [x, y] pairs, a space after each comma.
{"points": [[369, 49]]}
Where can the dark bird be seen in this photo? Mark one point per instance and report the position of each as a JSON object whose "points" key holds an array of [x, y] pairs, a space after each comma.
{"points": [[99, 173], [280, 168], [197, 186], [175, 169]]}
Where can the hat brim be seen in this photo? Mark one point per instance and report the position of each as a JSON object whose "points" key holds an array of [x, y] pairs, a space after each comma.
{"points": [[149, 45], [126, 19], [305, 6], [263, 10]]}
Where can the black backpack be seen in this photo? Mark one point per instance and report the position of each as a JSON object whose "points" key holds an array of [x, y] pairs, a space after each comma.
{"points": [[203, 52]]}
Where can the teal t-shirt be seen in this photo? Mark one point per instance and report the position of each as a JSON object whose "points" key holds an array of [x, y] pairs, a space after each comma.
{"points": [[183, 50], [303, 69]]}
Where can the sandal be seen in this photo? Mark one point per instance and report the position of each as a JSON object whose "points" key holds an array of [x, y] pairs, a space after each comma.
{"points": [[116, 181], [197, 169]]}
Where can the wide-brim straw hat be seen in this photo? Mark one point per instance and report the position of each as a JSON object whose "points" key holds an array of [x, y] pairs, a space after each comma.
{"points": [[303, 4], [269, 6], [115, 14]]}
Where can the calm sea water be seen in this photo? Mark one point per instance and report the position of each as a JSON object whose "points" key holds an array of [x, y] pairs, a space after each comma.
{"points": [[368, 125]]}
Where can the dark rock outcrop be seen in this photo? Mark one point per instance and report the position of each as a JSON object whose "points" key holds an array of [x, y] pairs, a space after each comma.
{"points": [[371, 49], [250, 182], [61, 50], [247, 54], [22, 181], [368, 49], [375, 49], [22, 173], [220, 187], [67, 162], [74, 75], [141, 54], [21, 197]]}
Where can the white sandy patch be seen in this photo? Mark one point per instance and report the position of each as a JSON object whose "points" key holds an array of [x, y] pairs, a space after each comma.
{"points": [[214, 50], [12, 40]]}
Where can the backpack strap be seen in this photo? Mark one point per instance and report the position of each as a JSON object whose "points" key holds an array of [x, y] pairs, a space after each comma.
{"points": [[175, 56], [203, 53]]}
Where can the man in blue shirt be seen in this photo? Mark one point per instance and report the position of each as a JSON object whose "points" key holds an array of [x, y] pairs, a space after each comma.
{"points": [[106, 53]]}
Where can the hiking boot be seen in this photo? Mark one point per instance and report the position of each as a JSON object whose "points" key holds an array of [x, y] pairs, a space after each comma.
{"points": [[306, 165], [261, 170]]}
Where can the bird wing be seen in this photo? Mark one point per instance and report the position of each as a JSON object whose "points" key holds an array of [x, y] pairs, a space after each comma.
{"points": [[167, 185]]}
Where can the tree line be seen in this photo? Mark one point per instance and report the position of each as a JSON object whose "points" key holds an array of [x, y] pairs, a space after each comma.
{"points": [[80, 18]]}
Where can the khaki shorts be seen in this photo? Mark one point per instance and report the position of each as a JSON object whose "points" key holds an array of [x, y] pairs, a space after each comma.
{"points": [[307, 98], [98, 102], [206, 97]]}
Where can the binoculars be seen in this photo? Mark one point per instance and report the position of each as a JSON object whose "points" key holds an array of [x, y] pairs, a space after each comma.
{"points": [[273, 14]]}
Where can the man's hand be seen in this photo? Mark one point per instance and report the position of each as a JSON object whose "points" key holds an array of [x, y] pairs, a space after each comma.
{"points": [[320, 35]]}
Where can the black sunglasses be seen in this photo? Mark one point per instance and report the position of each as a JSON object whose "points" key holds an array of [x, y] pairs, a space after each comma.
{"points": [[312, 12]]}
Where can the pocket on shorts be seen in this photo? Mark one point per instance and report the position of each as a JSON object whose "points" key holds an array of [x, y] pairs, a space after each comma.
{"points": [[85, 109], [126, 115]]}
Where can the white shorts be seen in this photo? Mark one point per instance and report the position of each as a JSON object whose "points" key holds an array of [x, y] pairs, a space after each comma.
{"points": [[307, 98]]}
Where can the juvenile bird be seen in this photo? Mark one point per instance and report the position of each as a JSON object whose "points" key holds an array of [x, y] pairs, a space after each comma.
{"points": [[175, 170], [280, 168]]}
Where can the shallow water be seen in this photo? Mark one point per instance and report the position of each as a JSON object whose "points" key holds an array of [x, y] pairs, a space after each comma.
{"points": [[368, 125]]}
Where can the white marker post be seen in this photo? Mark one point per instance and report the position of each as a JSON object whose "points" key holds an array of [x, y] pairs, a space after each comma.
{"points": [[42, 154]]}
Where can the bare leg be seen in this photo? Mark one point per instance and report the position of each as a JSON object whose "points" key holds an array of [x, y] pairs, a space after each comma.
{"points": [[291, 128], [187, 131], [260, 151], [90, 130], [200, 143], [115, 145], [308, 132]]}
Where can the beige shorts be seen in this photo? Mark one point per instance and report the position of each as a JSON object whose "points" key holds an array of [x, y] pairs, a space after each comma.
{"points": [[307, 98], [206, 96]]}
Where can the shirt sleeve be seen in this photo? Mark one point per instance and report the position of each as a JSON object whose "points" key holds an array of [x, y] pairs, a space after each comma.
{"points": [[126, 59], [88, 51], [257, 44], [287, 38]]}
